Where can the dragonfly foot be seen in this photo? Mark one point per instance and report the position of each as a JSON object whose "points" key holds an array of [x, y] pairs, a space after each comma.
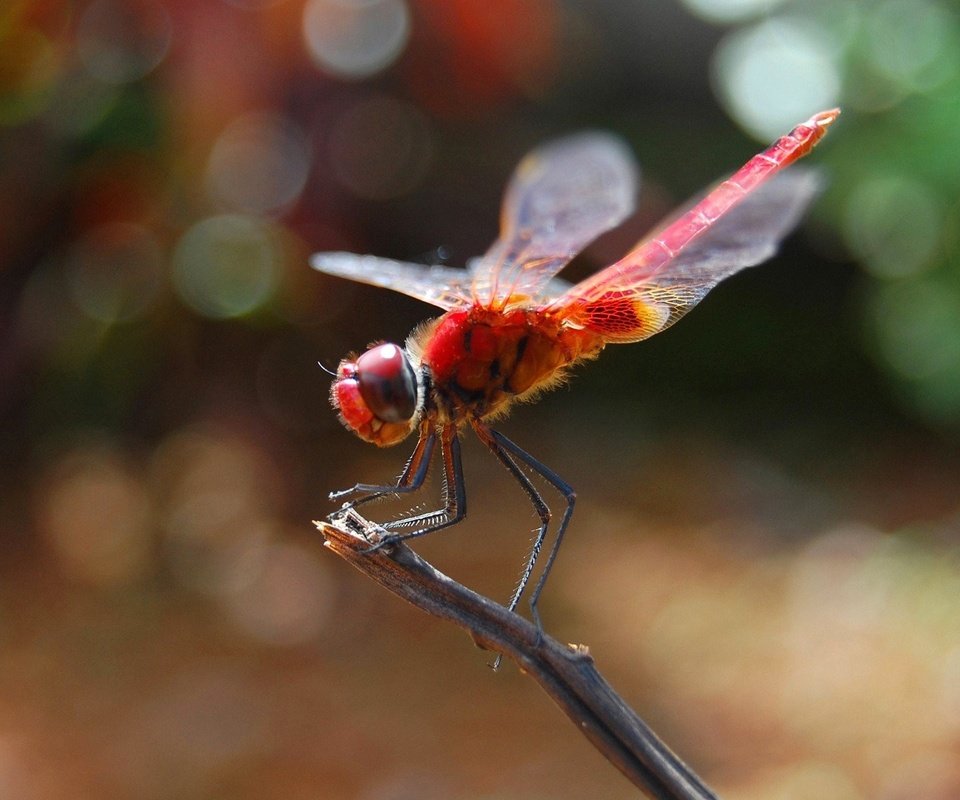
{"points": [[535, 618], [346, 514], [387, 540], [341, 493], [370, 531]]}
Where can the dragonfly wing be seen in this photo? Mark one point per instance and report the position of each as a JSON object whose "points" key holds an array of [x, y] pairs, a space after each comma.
{"points": [[561, 197], [737, 224], [440, 286], [629, 301]]}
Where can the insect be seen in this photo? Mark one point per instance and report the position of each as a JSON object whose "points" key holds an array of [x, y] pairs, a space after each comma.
{"points": [[511, 329]]}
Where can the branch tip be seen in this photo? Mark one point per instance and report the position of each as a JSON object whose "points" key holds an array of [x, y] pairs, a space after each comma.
{"points": [[567, 672]]}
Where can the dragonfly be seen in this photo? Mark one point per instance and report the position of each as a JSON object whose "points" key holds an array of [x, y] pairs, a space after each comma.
{"points": [[511, 329]]}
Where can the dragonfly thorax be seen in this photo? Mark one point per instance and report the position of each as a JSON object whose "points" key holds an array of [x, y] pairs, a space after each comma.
{"points": [[377, 395], [480, 361]]}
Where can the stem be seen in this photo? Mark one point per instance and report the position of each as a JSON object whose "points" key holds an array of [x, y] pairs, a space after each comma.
{"points": [[566, 672]]}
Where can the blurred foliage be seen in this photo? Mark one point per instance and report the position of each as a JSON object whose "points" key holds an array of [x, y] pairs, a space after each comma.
{"points": [[769, 562], [895, 67]]}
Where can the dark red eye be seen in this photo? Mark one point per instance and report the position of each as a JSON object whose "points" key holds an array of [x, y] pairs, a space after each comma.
{"points": [[387, 383]]}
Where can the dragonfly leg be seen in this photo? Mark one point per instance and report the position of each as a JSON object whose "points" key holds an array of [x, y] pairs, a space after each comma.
{"points": [[410, 480], [491, 440], [454, 496], [510, 454]]}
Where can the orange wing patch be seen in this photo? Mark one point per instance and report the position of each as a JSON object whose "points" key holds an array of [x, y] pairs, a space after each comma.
{"points": [[620, 316]]}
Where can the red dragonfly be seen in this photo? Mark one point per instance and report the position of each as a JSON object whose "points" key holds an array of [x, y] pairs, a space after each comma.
{"points": [[511, 329]]}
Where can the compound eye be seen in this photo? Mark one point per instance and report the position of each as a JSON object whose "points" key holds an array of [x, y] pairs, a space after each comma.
{"points": [[387, 383]]}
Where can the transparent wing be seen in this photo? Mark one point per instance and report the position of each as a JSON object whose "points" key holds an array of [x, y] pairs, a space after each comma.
{"points": [[561, 197], [440, 286], [627, 305], [736, 225]]}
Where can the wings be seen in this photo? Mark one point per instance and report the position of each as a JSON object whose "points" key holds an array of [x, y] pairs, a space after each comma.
{"points": [[440, 286], [561, 197], [627, 306], [738, 224], [565, 194]]}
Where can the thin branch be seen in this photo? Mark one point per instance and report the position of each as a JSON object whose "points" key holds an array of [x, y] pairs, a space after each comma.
{"points": [[567, 673]]}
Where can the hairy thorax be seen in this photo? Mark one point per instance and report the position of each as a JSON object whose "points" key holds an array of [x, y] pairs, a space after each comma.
{"points": [[481, 360]]}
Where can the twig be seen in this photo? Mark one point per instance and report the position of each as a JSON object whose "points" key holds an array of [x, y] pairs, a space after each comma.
{"points": [[566, 672]]}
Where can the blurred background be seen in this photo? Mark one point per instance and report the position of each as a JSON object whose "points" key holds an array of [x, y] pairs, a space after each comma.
{"points": [[765, 559]]}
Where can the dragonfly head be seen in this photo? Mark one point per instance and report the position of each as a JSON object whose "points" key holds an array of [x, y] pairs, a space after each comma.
{"points": [[377, 395]]}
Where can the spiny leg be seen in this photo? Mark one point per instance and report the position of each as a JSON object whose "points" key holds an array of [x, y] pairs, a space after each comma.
{"points": [[569, 495], [454, 496], [561, 486], [410, 480], [491, 439]]}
